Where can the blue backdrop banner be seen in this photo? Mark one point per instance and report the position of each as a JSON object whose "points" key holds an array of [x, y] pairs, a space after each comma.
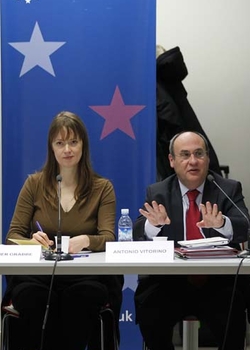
{"points": [[95, 58]]}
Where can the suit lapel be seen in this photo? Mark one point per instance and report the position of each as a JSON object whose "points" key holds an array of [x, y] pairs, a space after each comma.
{"points": [[210, 193], [175, 206]]}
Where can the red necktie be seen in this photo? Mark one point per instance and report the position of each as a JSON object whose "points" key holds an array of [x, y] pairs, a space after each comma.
{"points": [[193, 216], [193, 232]]}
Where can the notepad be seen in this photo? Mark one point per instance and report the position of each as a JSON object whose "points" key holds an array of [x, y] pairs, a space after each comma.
{"points": [[25, 242]]}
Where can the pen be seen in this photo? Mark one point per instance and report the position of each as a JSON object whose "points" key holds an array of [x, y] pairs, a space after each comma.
{"points": [[39, 226], [80, 255], [41, 229]]}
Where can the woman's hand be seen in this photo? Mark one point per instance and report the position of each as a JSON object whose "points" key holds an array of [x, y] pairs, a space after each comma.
{"points": [[43, 239], [78, 243]]}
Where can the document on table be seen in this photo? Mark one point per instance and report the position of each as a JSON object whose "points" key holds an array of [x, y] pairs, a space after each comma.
{"points": [[204, 242], [206, 253]]}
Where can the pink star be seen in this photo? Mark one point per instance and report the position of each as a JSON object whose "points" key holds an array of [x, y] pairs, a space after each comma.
{"points": [[117, 115]]}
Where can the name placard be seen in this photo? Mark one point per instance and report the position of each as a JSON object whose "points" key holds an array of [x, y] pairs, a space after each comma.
{"points": [[143, 251], [20, 253]]}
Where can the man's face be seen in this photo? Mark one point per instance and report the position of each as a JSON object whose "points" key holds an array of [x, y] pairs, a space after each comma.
{"points": [[190, 160]]}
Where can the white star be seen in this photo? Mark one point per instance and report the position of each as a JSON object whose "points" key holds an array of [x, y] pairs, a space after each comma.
{"points": [[27, 1], [37, 52]]}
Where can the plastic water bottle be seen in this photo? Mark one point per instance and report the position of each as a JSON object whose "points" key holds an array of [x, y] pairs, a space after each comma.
{"points": [[125, 227]]}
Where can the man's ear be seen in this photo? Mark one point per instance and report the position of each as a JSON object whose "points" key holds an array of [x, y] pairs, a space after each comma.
{"points": [[171, 160]]}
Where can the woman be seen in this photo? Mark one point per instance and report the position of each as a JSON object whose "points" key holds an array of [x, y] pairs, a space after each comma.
{"points": [[88, 217]]}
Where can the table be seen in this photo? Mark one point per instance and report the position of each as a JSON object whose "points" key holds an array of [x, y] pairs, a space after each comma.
{"points": [[95, 264]]}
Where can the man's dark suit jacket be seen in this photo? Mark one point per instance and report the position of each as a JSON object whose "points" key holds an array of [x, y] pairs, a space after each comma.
{"points": [[167, 192]]}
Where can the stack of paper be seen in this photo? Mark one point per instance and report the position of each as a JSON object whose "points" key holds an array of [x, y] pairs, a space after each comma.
{"points": [[206, 248], [204, 242], [206, 253]]}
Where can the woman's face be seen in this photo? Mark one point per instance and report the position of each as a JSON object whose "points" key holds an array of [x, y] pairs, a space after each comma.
{"points": [[67, 149]]}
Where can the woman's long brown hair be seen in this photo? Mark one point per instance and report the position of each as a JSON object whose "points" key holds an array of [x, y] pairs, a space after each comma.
{"points": [[67, 122]]}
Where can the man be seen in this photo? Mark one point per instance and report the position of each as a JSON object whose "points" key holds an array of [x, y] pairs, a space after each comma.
{"points": [[163, 301]]}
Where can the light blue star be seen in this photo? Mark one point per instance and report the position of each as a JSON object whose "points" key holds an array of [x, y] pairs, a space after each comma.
{"points": [[130, 281], [37, 52]]}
